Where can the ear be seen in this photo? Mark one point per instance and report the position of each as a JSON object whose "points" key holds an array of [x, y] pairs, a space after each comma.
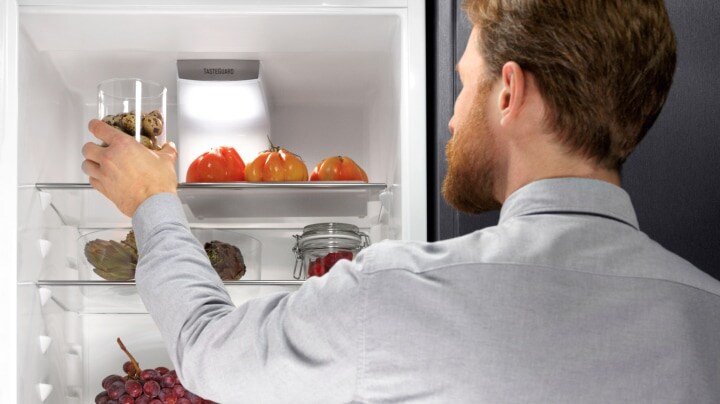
{"points": [[512, 93]]}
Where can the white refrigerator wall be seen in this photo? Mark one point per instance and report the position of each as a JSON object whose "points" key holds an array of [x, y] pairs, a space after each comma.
{"points": [[342, 77], [9, 289]]}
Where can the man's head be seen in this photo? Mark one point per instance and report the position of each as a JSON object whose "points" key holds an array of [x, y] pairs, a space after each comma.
{"points": [[602, 68]]}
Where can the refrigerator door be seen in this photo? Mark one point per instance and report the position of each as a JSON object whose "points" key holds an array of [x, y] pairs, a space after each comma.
{"points": [[671, 177]]}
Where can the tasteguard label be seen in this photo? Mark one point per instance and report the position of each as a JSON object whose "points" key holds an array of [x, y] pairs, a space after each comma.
{"points": [[207, 70], [218, 69]]}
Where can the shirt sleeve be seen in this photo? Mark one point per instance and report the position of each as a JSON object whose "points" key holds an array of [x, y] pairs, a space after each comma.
{"points": [[287, 347]]}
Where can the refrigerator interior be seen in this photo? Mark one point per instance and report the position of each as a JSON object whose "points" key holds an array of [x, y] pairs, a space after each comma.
{"points": [[336, 83]]}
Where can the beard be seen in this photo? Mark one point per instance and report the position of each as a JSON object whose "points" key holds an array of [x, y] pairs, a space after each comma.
{"points": [[469, 183]]}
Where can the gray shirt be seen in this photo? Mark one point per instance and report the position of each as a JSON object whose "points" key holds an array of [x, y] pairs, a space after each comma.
{"points": [[564, 301]]}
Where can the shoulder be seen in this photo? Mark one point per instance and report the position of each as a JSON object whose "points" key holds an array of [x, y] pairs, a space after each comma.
{"points": [[419, 257], [656, 262]]}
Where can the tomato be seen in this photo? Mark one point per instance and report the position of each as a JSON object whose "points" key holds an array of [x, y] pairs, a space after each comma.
{"points": [[276, 164], [220, 164], [338, 168], [320, 266], [316, 269]]}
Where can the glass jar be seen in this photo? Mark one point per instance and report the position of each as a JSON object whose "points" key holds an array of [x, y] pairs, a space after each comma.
{"points": [[136, 107], [321, 245]]}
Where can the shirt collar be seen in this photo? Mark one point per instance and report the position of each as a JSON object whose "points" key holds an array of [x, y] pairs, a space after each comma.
{"points": [[570, 195]]}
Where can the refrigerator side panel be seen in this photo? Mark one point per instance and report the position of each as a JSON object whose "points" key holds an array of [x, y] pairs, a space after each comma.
{"points": [[441, 96], [8, 200], [413, 141]]}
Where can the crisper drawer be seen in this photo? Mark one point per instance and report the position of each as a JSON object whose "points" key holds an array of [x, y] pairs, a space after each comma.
{"points": [[71, 330]]}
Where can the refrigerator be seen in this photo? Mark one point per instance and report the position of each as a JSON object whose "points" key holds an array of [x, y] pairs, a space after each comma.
{"points": [[341, 77]]}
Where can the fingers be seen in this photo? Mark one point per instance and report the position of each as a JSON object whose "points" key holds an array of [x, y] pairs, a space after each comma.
{"points": [[92, 169], [92, 151], [168, 147], [169, 150], [94, 173], [103, 131]]}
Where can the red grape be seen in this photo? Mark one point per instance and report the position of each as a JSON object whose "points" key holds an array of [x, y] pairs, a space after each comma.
{"points": [[142, 399], [129, 368], [168, 381], [149, 374], [179, 390], [109, 380], [166, 394], [125, 399], [116, 389], [162, 370], [133, 388], [194, 399], [156, 401], [151, 388], [102, 398], [183, 400]]}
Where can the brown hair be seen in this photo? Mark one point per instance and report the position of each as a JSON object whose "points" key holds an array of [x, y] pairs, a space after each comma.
{"points": [[604, 67]]}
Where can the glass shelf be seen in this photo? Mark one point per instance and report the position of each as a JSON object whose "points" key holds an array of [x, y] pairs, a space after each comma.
{"points": [[115, 297], [238, 203]]}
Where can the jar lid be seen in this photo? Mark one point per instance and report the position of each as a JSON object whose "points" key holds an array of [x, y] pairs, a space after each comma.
{"points": [[330, 228], [321, 235]]}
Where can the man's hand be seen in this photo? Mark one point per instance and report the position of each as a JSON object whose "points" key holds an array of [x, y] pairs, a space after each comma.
{"points": [[125, 171]]}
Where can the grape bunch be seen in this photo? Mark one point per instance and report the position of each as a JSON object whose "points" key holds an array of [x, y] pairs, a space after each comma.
{"points": [[147, 386]]}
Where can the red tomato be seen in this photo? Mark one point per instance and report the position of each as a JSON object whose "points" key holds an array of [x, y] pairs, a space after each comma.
{"points": [[316, 268], [321, 266], [274, 165], [338, 168], [220, 164]]}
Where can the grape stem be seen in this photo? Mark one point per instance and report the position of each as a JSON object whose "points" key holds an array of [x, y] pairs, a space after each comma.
{"points": [[136, 365]]}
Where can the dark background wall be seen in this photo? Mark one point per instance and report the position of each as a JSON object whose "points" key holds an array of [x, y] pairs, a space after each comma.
{"points": [[672, 177]]}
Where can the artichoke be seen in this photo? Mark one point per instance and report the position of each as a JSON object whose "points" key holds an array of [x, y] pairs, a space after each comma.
{"points": [[226, 259], [114, 261]]}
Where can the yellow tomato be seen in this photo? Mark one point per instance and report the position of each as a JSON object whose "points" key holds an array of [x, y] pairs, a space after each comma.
{"points": [[276, 164], [338, 168]]}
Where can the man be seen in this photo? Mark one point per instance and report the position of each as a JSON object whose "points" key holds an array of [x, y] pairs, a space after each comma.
{"points": [[564, 301]]}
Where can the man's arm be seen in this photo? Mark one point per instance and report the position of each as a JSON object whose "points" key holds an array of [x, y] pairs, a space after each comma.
{"points": [[299, 347]]}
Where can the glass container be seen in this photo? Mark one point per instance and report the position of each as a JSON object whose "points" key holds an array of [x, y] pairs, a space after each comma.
{"points": [[136, 107], [321, 245]]}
